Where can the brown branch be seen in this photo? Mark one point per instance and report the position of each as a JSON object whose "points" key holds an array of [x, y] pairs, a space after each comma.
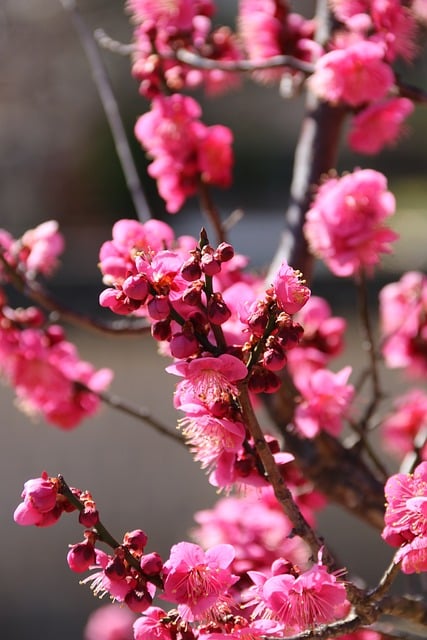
{"points": [[104, 535], [369, 347], [111, 109], [140, 413], [197, 61], [281, 491], [34, 291]]}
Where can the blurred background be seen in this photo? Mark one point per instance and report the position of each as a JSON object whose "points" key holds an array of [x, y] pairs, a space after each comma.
{"points": [[58, 161]]}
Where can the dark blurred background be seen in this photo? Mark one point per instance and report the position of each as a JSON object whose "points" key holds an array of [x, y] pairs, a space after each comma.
{"points": [[58, 161]]}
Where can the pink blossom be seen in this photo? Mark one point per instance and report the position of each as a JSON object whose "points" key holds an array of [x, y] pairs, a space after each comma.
{"points": [[406, 509], [198, 581], [183, 149], [130, 238], [378, 125], [40, 248], [289, 289], [176, 15], [407, 419], [406, 518], [314, 597], [210, 437], [267, 29], [326, 399], [321, 341], [110, 622], [403, 307], [345, 225], [395, 27], [152, 625], [39, 506], [209, 381], [354, 75], [46, 372]]}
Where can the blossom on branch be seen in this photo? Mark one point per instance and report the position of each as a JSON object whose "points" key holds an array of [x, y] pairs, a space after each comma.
{"points": [[406, 518], [403, 323], [185, 152], [198, 581], [345, 225]]}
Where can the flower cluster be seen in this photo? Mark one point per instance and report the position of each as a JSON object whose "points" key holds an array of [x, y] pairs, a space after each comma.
{"points": [[345, 225], [163, 28], [36, 359], [406, 518], [269, 29], [35, 253], [356, 71], [185, 152]]}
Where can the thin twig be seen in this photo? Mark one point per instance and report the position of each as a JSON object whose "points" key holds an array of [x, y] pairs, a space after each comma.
{"points": [[198, 61], [211, 212], [37, 294], [369, 344], [140, 413], [109, 103], [387, 579]]}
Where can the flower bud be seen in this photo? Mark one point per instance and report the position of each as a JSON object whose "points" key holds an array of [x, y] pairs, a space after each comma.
{"points": [[135, 540], [224, 252], [151, 564], [81, 556], [218, 312]]}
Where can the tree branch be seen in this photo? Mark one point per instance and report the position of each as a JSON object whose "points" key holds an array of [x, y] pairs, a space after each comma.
{"points": [[111, 109]]}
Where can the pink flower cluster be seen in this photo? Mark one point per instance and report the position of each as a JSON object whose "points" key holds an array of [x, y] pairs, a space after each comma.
{"points": [[322, 340], [35, 252], [46, 371], [403, 307], [214, 322], [345, 225], [185, 152], [163, 27], [255, 525], [267, 28], [406, 518], [325, 402], [357, 71]]}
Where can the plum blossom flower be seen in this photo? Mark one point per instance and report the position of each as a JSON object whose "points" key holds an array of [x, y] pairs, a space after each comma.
{"points": [[403, 307], [354, 75], [40, 502], [208, 381], [289, 289], [378, 125], [407, 419], [345, 225], [152, 625], [326, 399], [110, 622], [198, 581], [301, 601], [46, 373], [406, 518]]}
